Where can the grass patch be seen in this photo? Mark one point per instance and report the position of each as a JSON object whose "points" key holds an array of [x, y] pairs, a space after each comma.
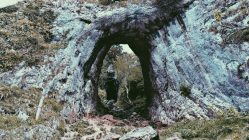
{"points": [[56, 106], [61, 128], [8, 122], [119, 130], [105, 2], [27, 37], [82, 127], [220, 127], [13, 99]]}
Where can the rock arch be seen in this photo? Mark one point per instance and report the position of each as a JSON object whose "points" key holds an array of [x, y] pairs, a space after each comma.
{"points": [[172, 51], [136, 26], [151, 33], [139, 46]]}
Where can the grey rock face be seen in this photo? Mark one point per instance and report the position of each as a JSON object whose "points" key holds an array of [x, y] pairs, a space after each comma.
{"points": [[146, 133], [39, 132], [173, 53]]}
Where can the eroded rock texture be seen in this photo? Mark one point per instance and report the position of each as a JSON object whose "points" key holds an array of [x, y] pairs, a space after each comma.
{"points": [[175, 46]]}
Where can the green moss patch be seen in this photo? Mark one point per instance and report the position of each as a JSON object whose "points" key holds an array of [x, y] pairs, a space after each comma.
{"points": [[185, 91]]}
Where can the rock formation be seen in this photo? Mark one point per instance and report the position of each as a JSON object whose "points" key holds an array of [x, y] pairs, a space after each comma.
{"points": [[180, 45], [146, 133]]}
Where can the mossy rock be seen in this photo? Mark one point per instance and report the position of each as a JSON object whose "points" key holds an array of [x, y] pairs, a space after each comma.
{"points": [[119, 130], [237, 36], [185, 90], [80, 127]]}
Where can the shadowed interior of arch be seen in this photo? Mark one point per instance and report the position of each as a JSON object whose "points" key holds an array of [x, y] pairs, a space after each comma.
{"points": [[121, 84], [93, 68]]}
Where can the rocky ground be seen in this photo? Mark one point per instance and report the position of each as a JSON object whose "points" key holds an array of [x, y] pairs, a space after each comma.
{"points": [[18, 109], [17, 121]]}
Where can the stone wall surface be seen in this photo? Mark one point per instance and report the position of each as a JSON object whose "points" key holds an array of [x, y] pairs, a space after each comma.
{"points": [[175, 46]]}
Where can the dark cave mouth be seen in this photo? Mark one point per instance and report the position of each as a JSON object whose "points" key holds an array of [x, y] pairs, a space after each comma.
{"points": [[121, 90], [92, 68]]}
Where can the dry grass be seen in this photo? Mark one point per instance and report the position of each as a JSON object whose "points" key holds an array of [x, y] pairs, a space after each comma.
{"points": [[82, 127], [8, 122], [55, 106], [13, 99], [237, 36], [234, 127], [27, 36], [61, 128]]}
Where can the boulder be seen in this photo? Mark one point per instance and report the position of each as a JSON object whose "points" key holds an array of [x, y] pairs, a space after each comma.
{"points": [[146, 133]]}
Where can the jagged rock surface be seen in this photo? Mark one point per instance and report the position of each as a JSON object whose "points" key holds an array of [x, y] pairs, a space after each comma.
{"points": [[146, 133], [173, 53]]}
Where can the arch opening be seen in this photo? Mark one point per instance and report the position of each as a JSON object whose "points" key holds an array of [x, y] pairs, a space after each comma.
{"points": [[141, 48], [121, 84]]}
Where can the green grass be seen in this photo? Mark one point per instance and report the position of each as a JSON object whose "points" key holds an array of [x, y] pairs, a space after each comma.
{"points": [[235, 127]]}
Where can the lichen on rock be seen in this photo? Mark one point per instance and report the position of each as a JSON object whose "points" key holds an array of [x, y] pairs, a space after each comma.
{"points": [[59, 48]]}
